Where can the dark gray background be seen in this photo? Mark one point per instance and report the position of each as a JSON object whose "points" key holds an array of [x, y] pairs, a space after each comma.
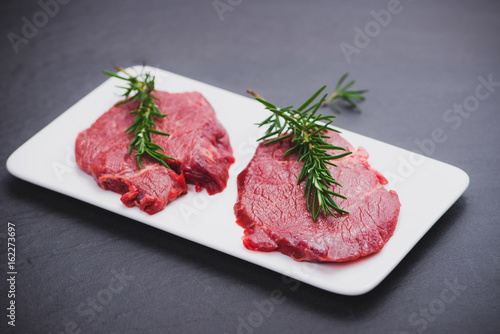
{"points": [[428, 58]]}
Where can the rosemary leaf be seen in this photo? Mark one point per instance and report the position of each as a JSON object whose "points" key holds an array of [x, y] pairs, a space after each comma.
{"points": [[345, 94], [308, 132], [143, 125]]}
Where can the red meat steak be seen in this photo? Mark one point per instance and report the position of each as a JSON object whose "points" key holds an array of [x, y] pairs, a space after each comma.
{"points": [[272, 208], [197, 140]]}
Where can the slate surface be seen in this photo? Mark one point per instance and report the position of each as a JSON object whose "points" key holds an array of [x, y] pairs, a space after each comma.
{"points": [[81, 269]]}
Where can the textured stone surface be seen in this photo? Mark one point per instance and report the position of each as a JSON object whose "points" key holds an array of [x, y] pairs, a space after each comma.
{"points": [[427, 59]]}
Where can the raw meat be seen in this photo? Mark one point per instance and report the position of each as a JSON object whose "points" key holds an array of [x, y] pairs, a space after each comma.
{"points": [[197, 140], [272, 208]]}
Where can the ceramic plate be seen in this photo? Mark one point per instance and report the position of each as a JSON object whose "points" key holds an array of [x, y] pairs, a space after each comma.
{"points": [[420, 182]]}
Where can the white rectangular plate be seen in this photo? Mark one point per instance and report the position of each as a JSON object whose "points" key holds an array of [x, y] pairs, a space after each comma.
{"points": [[421, 182]]}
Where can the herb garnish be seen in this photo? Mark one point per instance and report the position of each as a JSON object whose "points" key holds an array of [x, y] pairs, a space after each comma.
{"points": [[143, 125], [344, 94], [308, 139]]}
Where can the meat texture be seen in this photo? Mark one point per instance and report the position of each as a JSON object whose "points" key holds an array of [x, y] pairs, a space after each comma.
{"points": [[272, 208], [197, 140]]}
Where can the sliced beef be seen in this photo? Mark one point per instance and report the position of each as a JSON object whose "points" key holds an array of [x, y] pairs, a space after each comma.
{"points": [[272, 208], [197, 140]]}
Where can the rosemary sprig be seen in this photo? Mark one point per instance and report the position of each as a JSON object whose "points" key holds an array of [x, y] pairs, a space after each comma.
{"points": [[308, 136], [344, 94], [143, 125]]}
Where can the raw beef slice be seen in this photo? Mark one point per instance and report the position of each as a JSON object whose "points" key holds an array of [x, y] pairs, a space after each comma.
{"points": [[197, 140], [272, 208]]}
